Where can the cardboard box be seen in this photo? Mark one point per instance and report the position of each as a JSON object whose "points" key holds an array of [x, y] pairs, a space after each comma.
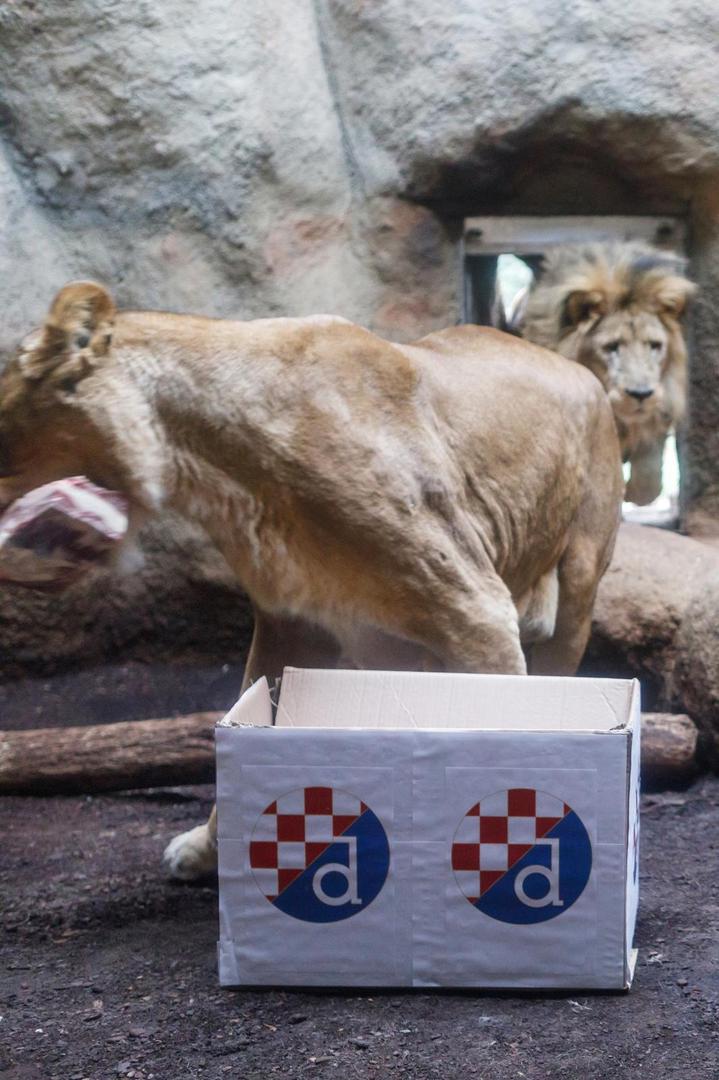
{"points": [[408, 829]]}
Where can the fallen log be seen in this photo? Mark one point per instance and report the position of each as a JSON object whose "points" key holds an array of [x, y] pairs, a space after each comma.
{"points": [[181, 750], [669, 748], [109, 757]]}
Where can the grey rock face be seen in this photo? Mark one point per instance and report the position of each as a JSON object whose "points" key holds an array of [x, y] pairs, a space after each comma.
{"points": [[193, 157], [271, 158]]}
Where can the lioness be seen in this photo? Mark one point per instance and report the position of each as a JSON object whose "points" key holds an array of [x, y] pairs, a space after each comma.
{"points": [[442, 503], [616, 308]]}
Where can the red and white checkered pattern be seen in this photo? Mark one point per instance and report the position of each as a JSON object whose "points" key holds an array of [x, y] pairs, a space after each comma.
{"points": [[497, 832], [294, 830]]}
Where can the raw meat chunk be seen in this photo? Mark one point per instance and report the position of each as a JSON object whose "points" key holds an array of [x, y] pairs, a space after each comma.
{"points": [[57, 532]]}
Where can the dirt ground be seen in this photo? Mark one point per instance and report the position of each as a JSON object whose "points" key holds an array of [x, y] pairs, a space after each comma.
{"points": [[110, 969]]}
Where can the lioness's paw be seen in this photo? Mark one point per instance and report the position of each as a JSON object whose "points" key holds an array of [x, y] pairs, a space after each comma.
{"points": [[191, 855]]}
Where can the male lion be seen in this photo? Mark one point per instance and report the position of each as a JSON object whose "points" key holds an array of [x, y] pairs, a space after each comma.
{"points": [[443, 503], [616, 308]]}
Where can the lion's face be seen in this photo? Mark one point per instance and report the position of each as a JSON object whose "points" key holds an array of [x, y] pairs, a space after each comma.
{"points": [[617, 308], [628, 351]]}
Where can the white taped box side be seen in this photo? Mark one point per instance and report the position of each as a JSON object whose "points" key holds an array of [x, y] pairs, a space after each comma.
{"points": [[422, 857], [633, 829]]}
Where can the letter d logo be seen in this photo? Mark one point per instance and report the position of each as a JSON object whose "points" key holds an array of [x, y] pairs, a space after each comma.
{"points": [[319, 854], [550, 873], [349, 873], [521, 856]]}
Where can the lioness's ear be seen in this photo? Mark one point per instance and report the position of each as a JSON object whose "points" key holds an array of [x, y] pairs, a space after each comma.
{"points": [[78, 327], [582, 305]]}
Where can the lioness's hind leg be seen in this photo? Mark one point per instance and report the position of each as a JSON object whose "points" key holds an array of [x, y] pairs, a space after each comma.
{"points": [[538, 613], [578, 577]]}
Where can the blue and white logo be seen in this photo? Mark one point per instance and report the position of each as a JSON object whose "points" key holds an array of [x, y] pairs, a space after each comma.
{"points": [[522, 856], [319, 854]]}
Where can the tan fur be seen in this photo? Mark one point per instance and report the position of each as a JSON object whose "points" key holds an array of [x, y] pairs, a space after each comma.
{"points": [[429, 503], [616, 308]]}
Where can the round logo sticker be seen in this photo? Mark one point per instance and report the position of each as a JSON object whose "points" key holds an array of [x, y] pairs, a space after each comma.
{"points": [[521, 856], [319, 854]]}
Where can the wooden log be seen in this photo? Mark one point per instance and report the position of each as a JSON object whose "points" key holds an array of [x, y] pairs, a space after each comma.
{"points": [[109, 757], [181, 750], [669, 747]]}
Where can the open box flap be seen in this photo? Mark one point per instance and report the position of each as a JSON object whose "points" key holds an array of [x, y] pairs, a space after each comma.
{"points": [[387, 699], [254, 707]]}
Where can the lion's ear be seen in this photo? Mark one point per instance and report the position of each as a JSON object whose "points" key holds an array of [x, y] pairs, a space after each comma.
{"points": [[78, 327], [672, 294], [582, 305]]}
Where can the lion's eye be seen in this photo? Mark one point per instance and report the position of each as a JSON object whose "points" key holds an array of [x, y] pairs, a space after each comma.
{"points": [[655, 346], [83, 341], [612, 346]]}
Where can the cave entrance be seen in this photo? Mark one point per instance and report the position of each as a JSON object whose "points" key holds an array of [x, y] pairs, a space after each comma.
{"points": [[501, 256]]}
